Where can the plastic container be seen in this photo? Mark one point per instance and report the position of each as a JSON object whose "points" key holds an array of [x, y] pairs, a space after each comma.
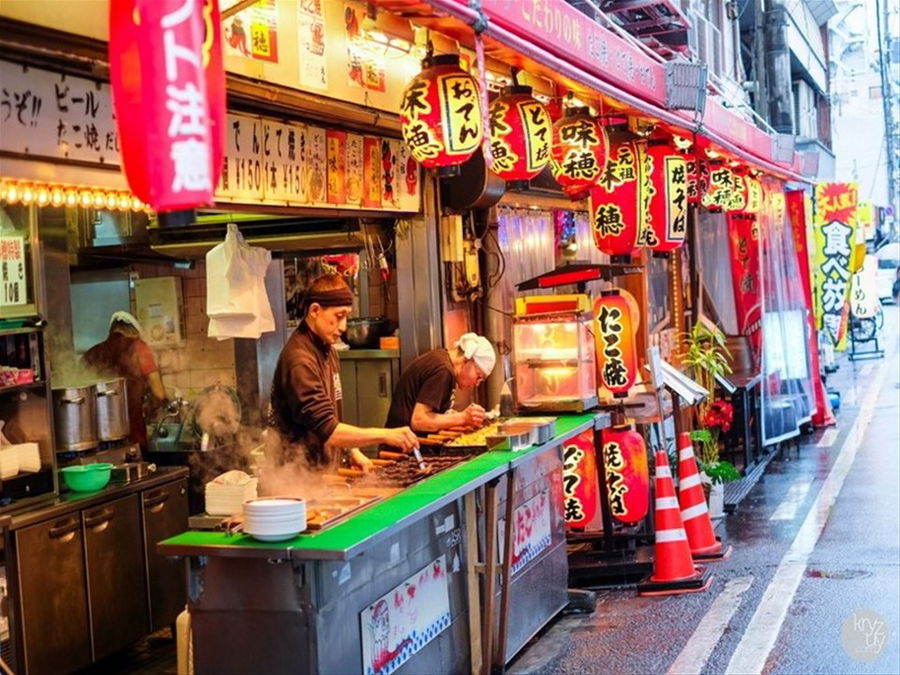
{"points": [[87, 477]]}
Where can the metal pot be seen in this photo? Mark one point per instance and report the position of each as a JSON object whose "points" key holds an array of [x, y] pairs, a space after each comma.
{"points": [[75, 419], [112, 410], [363, 333]]}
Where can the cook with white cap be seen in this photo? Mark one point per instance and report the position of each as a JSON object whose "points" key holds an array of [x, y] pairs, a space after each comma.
{"points": [[424, 395], [125, 354]]}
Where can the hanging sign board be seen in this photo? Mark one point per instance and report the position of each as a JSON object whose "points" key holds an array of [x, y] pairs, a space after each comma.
{"points": [[296, 164], [835, 233], [51, 116]]}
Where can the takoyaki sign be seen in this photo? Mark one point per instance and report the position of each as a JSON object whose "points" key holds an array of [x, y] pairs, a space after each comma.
{"points": [[404, 620]]}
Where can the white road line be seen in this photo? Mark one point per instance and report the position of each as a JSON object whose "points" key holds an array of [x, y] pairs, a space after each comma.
{"points": [[828, 438], [710, 629], [793, 500], [755, 646]]}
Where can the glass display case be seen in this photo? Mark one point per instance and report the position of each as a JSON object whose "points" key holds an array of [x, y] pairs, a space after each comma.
{"points": [[554, 360]]}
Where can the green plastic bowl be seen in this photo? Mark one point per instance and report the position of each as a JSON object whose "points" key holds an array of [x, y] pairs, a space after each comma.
{"points": [[87, 477]]}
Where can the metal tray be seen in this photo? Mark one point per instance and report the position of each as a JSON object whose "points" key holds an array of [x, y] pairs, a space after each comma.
{"points": [[510, 441], [544, 428]]}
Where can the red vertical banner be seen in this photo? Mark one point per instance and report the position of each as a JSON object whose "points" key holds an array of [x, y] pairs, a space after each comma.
{"points": [[581, 483], [743, 236], [800, 226], [168, 86]]}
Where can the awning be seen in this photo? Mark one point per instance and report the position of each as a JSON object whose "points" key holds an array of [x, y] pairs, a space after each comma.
{"points": [[552, 39]]}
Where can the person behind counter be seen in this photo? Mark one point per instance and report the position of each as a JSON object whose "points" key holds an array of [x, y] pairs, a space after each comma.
{"points": [[125, 354], [306, 388], [424, 395]]}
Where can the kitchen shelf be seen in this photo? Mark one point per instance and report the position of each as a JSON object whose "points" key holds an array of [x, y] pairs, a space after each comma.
{"points": [[30, 386]]}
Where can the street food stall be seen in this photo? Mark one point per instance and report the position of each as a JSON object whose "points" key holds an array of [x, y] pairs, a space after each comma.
{"points": [[396, 580]]}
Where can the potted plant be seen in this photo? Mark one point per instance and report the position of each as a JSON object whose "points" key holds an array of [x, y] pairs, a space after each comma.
{"points": [[706, 355]]}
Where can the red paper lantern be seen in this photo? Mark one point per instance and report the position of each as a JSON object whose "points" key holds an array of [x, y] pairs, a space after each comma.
{"points": [[616, 210], [440, 114], [666, 217], [581, 487], [168, 89], [617, 361], [578, 152], [520, 136], [627, 474], [698, 177], [726, 189]]}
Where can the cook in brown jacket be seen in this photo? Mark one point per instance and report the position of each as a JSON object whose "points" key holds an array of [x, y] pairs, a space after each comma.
{"points": [[306, 389]]}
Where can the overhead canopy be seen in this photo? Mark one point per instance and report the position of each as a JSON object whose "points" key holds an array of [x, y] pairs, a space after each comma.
{"points": [[554, 40]]}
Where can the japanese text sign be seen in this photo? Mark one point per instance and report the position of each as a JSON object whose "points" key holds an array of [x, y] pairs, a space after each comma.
{"points": [[835, 235], [12, 271], [168, 86], [55, 116]]}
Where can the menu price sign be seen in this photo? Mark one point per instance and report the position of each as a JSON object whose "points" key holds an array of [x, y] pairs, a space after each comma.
{"points": [[296, 164], [47, 114], [12, 271]]}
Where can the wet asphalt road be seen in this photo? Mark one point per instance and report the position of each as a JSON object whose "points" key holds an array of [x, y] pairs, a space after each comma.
{"points": [[843, 559]]}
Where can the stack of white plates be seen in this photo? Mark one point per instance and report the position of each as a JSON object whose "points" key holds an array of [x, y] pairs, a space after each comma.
{"points": [[274, 518], [225, 495]]}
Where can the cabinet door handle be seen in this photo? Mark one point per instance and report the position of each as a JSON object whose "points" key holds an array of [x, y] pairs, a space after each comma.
{"points": [[382, 385], [78, 400], [65, 532], [98, 519], [109, 392], [155, 501]]}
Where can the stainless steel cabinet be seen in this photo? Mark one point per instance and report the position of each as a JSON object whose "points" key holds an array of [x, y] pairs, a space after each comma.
{"points": [[115, 565], [52, 585], [368, 378], [165, 512]]}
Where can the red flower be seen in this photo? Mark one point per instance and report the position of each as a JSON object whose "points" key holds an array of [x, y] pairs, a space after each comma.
{"points": [[720, 414]]}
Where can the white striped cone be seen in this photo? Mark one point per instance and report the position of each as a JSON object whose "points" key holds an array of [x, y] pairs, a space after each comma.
{"points": [[672, 554], [694, 513]]}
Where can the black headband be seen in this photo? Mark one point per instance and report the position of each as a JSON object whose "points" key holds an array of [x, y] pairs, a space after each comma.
{"points": [[339, 297]]}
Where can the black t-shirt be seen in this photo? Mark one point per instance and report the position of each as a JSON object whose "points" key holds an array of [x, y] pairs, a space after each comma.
{"points": [[430, 380]]}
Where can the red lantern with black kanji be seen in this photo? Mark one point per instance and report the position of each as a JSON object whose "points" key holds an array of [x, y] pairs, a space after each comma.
{"points": [[721, 193], [578, 152], [698, 177], [581, 487], [440, 115], [617, 361], [627, 474], [520, 136], [616, 212], [666, 215]]}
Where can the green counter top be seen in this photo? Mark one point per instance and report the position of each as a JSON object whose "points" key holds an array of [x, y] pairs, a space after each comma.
{"points": [[352, 536]]}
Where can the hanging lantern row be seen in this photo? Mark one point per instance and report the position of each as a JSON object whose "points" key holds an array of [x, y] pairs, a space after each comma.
{"points": [[641, 198], [614, 336], [47, 194], [520, 136], [441, 115]]}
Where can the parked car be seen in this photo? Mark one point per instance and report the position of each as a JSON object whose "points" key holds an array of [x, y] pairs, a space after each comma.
{"points": [[888, 268]]}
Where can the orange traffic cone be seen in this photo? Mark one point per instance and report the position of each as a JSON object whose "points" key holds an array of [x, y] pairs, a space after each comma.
{"points": [[702, 539], [673, 567]]}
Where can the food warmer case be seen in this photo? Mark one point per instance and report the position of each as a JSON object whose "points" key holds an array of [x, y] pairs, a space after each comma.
{"points": [[554, 354]]}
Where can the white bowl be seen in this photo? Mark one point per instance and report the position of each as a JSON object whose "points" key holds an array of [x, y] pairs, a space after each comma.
{"points": [[273, 537], [265, 504]]}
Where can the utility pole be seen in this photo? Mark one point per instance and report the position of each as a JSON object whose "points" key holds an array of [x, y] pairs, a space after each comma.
{"points": [[891, 125]]}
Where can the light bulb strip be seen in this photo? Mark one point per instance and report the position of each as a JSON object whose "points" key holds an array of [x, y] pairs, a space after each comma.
{"points": [[13, 191]]}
